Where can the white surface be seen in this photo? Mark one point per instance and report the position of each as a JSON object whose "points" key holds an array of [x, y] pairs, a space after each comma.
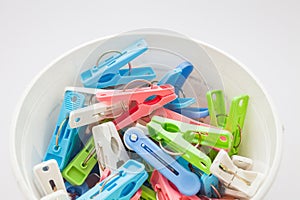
{"points": [[262, 35]]}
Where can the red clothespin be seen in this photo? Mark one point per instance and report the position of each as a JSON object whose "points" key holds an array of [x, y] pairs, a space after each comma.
{"points": [[140, 101], [166, 190]]}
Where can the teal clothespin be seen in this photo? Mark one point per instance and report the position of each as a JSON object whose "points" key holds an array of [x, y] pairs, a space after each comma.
{"points": [[234, 121], [168, 132], [80, 167]]}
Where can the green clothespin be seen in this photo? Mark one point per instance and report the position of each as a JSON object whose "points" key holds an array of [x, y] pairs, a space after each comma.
{"points": [[234, 121], [80, 167], [168, 132], [147, 193]]}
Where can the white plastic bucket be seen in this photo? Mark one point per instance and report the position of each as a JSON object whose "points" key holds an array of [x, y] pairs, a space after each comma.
{"points": [[39, 107]]}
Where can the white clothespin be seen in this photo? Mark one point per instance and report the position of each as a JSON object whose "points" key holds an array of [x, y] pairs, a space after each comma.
{"points": [[48, 177], [93, 113], [143, 128], [242, 162], [58, 195], [234, 193], [233, 177], [109, 148]]}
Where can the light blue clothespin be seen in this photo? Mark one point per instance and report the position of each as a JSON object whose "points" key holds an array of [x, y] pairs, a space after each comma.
{"points": [[185, 181], [108, 72], [177, 78], [208, 182], [65, 142], [121, 184]]}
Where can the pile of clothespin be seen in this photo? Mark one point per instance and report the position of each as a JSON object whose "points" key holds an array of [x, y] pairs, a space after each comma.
{"points": [[114, 141]]}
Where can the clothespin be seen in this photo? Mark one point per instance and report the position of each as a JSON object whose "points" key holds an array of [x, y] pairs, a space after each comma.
{"points": [[164, 112], [49, 180], [109, 72], [193, 112], [209, 183], [233, 193], [111, 152], [165, 190], [147, 193], [168, 133], [121, 184], [137, 195], [65, 142], [234, 122], [77, 191], [80, 167], [196, 134], [186, 182], [242, 162], [177, 78], [58, 195], [137, 103], [234, 177]]}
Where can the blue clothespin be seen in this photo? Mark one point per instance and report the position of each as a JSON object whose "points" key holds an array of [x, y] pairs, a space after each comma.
{"points": [[76, 191], [209, 183], [108, 72], [65, 142], [185, 181], [193, 112], [121, 184], [177, 78]]}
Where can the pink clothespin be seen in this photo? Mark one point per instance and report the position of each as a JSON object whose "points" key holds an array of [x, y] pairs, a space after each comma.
{"points": [[137, 195], [164, 112], [140, 102], [166, 190]]}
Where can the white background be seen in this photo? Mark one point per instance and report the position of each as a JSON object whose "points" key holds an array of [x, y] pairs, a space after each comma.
{"points": [[264, 35]]}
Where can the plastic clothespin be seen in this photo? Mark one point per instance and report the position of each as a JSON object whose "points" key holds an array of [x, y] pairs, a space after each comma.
{"points": [[121, 184], [177, 78], [49, 179], [110, 150], [80, 167], [197, 134], [234, 177], [164, 112], [108, 72], [168, 133], [137, 195], [193, 112], [77, 191], [58, 195], [65, 142], [234, 122], [147, 193], [136, 100], [166, 190], [233, 193], [242, 162], [209, 183], [186, 182]]}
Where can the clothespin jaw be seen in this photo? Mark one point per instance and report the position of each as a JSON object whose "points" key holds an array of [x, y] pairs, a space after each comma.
{"points": [[186, 182], [147, 193], [242, 162], [80, 167], [65, 142], [110, 150], [177, 78], [137, 101], [234, 177], [165, 190], [236, 119], [108, 72], [217, 108], [169, 134], [58, 195], [48, 177], [122, 184]]}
